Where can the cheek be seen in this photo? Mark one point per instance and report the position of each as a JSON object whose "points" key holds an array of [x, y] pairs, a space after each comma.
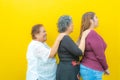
{"points": [[71, 28], [41, 35], [44, 35], [96, 22]]}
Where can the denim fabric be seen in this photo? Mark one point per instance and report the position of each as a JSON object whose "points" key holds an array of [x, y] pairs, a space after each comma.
{"points": [[90, 74]]}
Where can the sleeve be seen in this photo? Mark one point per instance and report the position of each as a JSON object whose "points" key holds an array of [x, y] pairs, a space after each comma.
{"points": [[97, 46], [42, 52], [68, 43]]}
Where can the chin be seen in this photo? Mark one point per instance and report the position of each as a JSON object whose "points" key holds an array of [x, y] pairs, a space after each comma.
{"points": [[45, 39], [96, 26], [71, 31]]}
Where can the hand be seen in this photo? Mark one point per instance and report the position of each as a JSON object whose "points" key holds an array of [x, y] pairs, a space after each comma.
{"points": [[78, 76], [85, 33], [60, 36], [107, 72]]}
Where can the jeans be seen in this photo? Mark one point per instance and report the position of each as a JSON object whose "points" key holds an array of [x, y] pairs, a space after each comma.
{"points": [[90, 74]]}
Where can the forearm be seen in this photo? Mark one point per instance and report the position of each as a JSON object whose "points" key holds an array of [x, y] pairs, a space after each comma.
{"points": [[103, 62], [54, 48], [82, 44]]}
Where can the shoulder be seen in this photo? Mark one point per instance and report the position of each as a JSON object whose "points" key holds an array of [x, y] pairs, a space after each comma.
{"points": [[93, 34], [66, 37], [37, 45]]}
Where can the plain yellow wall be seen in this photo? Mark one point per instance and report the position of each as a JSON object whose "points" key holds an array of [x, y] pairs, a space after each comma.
{"points": [[18, 16]]}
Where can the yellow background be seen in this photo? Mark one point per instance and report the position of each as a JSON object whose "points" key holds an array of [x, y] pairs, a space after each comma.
{"points": [[18, 16]]}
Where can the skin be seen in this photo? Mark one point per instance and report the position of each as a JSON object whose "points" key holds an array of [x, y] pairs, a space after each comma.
{"points": [[42, 37]]}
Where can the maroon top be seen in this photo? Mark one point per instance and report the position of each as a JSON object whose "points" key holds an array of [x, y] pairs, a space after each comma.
{"points": [[94, 56]]}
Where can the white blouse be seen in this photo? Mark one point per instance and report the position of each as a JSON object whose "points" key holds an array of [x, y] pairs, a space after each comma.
{"points": [[40, 66]]}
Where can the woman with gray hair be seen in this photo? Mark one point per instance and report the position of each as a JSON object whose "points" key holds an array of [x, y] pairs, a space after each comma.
{"points": [[68, 51]]}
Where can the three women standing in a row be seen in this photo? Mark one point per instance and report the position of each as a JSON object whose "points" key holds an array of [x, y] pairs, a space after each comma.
{"points": [[41, 61]]}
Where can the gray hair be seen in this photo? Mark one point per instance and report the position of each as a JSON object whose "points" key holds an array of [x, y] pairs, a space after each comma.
{"points": [[63, 23]]}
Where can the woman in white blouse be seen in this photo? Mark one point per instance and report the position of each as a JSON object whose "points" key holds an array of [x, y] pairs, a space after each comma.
{"points": [[41, 61]]}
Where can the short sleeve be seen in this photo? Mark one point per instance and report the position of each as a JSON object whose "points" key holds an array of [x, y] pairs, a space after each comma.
{"points": [[42, 52]]}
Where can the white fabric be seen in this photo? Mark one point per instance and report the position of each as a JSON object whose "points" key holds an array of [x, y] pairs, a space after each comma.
{"points": [[40, 66]]}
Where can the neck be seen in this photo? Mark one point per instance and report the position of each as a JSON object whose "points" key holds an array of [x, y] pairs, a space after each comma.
{"points": [[38, 40], [91, 27], [66, 32]]}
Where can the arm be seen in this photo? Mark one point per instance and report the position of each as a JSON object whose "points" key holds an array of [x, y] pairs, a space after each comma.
{"points": [[45, 53], [68, 44], [82, 41], [98, 48], [82, 44], [56, 45]]}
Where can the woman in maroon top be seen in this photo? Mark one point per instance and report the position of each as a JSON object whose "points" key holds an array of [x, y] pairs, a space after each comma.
{"points": [[93, 63]]}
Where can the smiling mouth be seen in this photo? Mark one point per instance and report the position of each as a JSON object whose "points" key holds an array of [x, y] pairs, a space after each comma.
{"points": [[45, 35]]}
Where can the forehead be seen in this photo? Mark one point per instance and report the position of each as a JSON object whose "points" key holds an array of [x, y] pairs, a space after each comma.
{"points": [[42, 28], [95, 16]]}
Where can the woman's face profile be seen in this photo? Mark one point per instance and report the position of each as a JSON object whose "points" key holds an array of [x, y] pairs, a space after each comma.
{"points": [[70, 28], [42, 35], [95, 21]]}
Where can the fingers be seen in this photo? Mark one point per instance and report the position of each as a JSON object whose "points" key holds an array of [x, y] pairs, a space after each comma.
{"points": [[107, 72]]}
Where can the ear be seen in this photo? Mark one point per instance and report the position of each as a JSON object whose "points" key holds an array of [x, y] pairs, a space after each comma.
{"points": [[36, 35]]}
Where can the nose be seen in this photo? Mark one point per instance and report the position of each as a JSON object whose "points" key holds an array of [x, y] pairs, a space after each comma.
{"points": [[46, 33]]}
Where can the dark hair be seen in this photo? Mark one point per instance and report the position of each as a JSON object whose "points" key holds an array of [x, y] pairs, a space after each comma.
{"points": [[85, 24], [35, 30], [63, 23]]}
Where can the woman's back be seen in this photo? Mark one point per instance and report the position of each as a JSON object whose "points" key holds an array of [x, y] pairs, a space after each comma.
{"points": [[68, 51]]}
